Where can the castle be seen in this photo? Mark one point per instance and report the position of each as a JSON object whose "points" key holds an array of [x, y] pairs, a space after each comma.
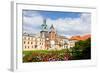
{"points": [[47, 39]]}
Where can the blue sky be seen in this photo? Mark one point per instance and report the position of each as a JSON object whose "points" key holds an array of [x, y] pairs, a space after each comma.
{"points": [[53, 14], [65, 23], [56, 15]]}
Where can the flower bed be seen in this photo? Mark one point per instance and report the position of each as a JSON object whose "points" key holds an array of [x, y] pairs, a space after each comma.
{"points": [[45, 55]]}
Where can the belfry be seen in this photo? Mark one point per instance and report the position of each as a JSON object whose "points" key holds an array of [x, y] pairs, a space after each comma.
{"points": [[44, 31], [52, 36]]}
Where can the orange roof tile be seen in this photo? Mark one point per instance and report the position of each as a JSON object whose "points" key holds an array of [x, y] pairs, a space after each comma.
{"points": [[84, 37]]}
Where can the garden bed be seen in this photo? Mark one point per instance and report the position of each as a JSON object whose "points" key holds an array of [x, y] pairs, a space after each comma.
{"points": [[46, 55]]}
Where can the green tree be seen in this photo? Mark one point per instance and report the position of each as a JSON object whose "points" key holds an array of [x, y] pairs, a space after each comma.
{"points": [[82, 50]]}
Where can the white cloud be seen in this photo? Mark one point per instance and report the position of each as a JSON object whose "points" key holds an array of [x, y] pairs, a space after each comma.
{"points": [[72, 26], [65, 26], [38, 20], [32, 22]]}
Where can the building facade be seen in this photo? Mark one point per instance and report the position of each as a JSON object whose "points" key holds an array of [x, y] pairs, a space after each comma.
{"points": [[48, 39]]}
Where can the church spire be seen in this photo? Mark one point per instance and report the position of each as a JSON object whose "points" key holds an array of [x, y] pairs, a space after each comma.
{"points": [[44, 21], [52, 27], [44, 25]]}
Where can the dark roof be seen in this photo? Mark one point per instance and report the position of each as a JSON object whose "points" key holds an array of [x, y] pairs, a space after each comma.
{"points": [[52, 27], [26, 34]]}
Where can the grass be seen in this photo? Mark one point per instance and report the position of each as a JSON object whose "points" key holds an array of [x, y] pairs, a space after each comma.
{"points": [[45, 51]]}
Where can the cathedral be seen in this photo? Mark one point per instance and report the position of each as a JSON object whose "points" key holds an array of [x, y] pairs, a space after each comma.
{"points": [[48, 39]]}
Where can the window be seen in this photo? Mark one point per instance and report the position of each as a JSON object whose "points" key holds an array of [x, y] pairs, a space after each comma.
{"points": [[28, 46], [32, 46], [28, 42], [24, 42], [31, 42], [35, 46]]}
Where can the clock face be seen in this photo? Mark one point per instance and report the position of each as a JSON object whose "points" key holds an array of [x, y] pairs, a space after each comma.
{"points": [[52, 42], [47, 39]]}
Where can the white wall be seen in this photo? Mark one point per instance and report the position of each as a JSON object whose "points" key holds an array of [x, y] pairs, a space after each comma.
{"points": [[5, 36]]}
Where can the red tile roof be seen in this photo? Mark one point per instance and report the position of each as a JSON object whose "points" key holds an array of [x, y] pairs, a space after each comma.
{"points": [[84, 37]]}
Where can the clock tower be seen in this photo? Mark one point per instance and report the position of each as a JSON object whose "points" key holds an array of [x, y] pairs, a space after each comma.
{"points": [[44, 31], [44, 35], [52, 36]]}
